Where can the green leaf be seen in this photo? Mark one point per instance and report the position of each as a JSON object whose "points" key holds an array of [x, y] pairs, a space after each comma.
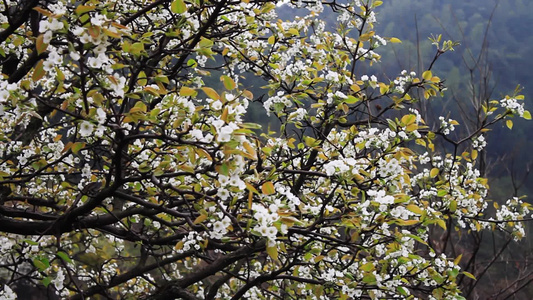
{"points": [[453, 206], [434, 172], [162, 78], [417, 238], [442, 193], [402, 291], [178, 6], [369, 279], [527, 115], [46, 281], [144, 167], [251, 126], [192, 63], [351, 99], [64, 256], [41, 263], [223, 169], [509, 124], [310, 142], [369, 266]]}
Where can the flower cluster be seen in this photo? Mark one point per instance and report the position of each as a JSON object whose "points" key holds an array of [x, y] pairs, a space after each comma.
{"points": [[511, 213], [479, 143], [446, 127], [401, 82], [265, 218], [512, 105]]}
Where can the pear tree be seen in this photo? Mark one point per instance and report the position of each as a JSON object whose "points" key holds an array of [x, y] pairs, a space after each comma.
{"points": [[129, 166]]}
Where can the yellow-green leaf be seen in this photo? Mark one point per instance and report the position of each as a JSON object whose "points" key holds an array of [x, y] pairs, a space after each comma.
{"points": [[178, 6], [427, 75], [81, 9], [272, 252], [294, 31], [434, 172], [383, 88], [151, 90], [250, 199], [211, 93], [38, 71], [527, 115], [249, 149], [43, 11], [76, 147], [111, 33], [408, 119], [441, 223], [142, 80], [187, 91], [355, 88], [200, 219], [251, 188], [40, 45], [413, 208], [457, 260], [407, 222], [395, 40], [469, 275], [268, 188], [474, 154], [229, 84], [351, 99], [369, 266], [224, 116], [248, 95], [453, 206], [509, 124], [319, 258]]}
